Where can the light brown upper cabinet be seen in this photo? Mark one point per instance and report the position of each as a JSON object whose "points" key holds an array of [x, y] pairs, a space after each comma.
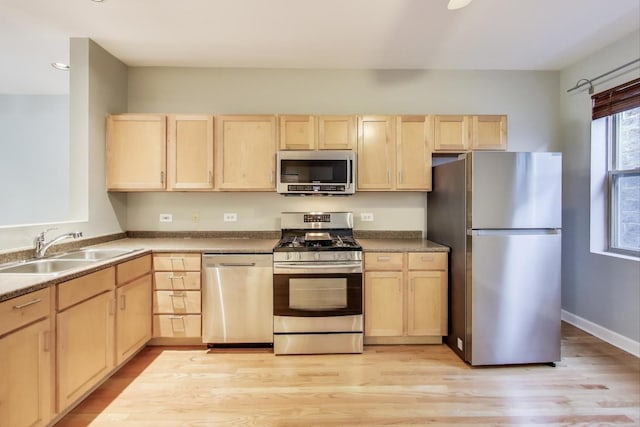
{"points": [[376, 152], [489, 132], [297, 132], [451, 133], [136, 152], [463, 133], [394, 153], [336, 132], [413, 152], [303, 132], [190, 152], [245, 152]]}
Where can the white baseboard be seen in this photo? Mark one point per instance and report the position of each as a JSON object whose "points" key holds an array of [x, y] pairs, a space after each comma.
{"points": [[613, 338]]}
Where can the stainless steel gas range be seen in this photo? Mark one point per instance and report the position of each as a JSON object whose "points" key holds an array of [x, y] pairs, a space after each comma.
{"points": [[317, 285]]}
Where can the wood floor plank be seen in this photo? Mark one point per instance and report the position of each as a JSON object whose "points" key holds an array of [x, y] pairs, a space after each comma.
{"points": [[595, 384]]}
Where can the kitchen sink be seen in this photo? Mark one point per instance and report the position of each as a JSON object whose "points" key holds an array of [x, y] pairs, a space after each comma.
{"points": [[94, 254], [45, 266]]}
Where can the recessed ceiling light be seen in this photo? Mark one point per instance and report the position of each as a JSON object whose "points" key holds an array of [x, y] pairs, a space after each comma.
{"points": [[60, 66], [457, 4]]}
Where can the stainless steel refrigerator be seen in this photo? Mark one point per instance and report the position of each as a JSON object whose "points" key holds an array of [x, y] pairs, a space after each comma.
{"points": [[500, 213]]}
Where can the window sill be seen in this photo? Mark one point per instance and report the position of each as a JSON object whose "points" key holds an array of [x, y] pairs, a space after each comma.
{"points": [[617, 255]]}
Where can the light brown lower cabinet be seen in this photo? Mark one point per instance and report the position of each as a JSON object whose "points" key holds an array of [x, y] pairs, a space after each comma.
{"points": [[26, 360], [405, 297], [85, 338], [177, 305]]}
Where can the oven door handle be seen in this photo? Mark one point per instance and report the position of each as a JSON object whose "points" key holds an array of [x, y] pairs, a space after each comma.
{"points": [[317, 269], [318, 265]]}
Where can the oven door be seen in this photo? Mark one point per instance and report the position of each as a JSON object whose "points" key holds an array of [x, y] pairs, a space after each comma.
{"points": [[311, 294]]}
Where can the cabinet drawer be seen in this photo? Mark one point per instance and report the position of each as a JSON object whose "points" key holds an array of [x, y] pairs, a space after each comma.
{"points": [[82, 288], [176, 262], [427, 261], [383, 261], [176, 302], [172, 326], [185, 280], [130, 270], [24, 309]]}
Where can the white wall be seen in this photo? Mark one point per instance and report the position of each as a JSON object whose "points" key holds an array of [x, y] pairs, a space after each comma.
{"points": [[98, 84], [530, 99], [598, 290], [34, 164]]}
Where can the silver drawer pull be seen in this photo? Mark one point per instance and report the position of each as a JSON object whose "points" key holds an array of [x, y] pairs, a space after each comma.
{"points": [[427, 258], [176, 317], [384, 258], [27, 304], [178, 294]]}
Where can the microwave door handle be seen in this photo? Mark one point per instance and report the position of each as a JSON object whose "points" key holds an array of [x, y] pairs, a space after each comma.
{"points": [[348, 173]]}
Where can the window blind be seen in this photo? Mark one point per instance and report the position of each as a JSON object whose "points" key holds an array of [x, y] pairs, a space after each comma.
{"points": [[615, 100]]}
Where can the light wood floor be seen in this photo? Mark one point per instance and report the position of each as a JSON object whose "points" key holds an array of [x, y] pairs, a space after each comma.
{"points": [[594, 384]]}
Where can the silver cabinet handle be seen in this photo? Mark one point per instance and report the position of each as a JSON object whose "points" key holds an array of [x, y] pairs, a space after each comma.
{"points": [[26, 304], [47, 341], [123, 302], [400, 176], [161, 177]]}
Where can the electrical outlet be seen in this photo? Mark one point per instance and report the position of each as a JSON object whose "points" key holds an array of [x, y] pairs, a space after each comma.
{"points": [[166, 218], [459, 344], [367, 216], [230, 217]]}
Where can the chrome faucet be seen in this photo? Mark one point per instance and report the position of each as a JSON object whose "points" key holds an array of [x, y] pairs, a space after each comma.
{"points": [[41, 245]]}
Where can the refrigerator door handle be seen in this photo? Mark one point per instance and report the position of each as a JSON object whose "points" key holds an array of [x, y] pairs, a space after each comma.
{"points": [[512, 231]]}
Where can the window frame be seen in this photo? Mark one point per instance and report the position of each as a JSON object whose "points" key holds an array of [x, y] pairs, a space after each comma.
{"points": [[612, 173]]}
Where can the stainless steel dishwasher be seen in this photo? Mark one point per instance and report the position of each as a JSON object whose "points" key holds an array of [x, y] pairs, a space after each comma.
{"points": [[237, 299]]}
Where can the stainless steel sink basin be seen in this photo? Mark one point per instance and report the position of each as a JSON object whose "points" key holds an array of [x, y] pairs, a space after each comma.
{"points": [[45, 266], [94, 254]]}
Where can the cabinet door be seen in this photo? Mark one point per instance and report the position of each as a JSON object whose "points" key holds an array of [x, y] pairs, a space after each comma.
{"points": [[336, 132], [190, 152], [136, 152], [297, 132], [245, 152], [413, 152], [426, 303], [85, 346], [489, 132], [376, 153], [451, 133], [25, 376], [133, 322], [383, 295]]}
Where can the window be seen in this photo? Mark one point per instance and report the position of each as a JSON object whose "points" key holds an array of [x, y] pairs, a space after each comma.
{"points": [[620, 107]]}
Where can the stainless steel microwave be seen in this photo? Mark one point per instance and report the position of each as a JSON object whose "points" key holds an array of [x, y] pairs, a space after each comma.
{"points": [[329, 172]]}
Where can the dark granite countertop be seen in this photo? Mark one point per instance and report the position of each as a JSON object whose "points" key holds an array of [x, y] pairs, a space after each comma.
{"points": [[401, 245], [13, 285]]}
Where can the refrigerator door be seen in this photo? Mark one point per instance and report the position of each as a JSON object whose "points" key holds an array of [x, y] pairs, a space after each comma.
{"points": [[515, 190], [515, 297]]}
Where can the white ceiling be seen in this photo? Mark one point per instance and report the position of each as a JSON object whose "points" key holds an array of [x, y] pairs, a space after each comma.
{"points": [[386, 34]]}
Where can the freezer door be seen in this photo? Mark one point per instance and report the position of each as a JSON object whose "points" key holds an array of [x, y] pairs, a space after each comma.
{"points": [[515, 297], [515, 190]]}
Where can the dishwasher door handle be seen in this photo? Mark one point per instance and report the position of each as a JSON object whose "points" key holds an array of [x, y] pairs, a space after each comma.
{"points": [[237, 264]]}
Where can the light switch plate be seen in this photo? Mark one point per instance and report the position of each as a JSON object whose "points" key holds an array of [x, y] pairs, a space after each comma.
{"points": [[230, 217], [164, 217]]}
